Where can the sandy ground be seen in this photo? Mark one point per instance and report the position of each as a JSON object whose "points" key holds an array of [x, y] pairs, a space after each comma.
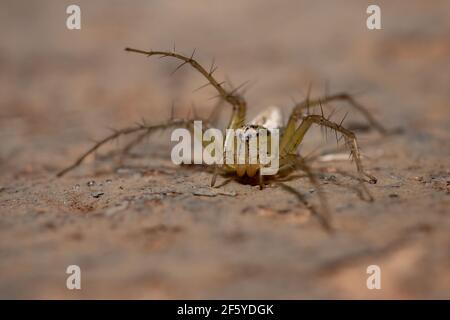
{"points": [[138, 229]]}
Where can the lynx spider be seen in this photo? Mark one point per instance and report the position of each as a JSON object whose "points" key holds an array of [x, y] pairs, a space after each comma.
{"points": [[299, 122]]}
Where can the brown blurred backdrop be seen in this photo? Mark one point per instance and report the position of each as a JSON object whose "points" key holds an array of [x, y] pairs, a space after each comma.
{"points": [[59, 88]]}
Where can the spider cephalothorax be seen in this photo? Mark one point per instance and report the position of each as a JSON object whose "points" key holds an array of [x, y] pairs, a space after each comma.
{"points": [[247, 159], [290, 135]]}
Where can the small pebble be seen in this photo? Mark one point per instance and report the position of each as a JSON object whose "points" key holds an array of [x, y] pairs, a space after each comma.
{"points": [[90, 183], [97, 194], [393, 195], [118, 207], [231, 193], [204, 192], [123, 171]]}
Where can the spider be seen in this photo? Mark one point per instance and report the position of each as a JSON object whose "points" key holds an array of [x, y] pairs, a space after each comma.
{"points": [[293, 132]]}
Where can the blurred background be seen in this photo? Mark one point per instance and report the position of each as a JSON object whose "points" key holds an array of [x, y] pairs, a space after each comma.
{"points": [[73, 84], [59, 88]]}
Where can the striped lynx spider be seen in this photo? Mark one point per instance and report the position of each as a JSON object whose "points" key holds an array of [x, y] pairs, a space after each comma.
{"points": [[291, 137]]}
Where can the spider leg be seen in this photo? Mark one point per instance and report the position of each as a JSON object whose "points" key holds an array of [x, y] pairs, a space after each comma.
{"points": [[238, 103], [144, 128], [324, 217], [138, 139], [261, 180], [130, 145], [359, 192], [224, 183], [215, 174], [292, 142], [297, 112], [221, 170]]}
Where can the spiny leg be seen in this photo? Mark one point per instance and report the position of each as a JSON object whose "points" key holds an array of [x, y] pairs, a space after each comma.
{"points": [[220, 169], [294, 141], [134, 142], [138, 139], [360, 192], [299, 108], [323, 222], [285, 174], [261, 180], [238, 103], [299, 163], [215, 174], [324, 217], [147, 129]]}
